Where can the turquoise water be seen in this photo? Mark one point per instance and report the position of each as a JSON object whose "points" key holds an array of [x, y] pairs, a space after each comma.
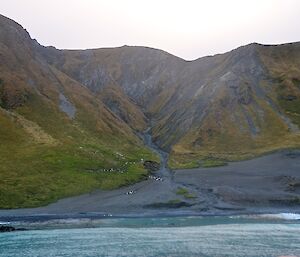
{"points": [[172, 237]]}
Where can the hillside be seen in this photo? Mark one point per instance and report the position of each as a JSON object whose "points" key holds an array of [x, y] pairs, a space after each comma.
{"points": [[68, 117], [57, 138], [225, 107]]}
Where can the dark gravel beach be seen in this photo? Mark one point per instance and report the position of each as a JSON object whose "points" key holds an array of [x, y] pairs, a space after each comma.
{"points": [[269, 184]]}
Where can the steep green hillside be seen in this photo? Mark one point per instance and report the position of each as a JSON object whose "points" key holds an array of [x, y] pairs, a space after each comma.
{"points": [[57, 138], [35, 173]]}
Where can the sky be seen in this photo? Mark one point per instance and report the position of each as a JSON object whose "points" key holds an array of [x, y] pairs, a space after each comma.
{"points": [[188, 28]]}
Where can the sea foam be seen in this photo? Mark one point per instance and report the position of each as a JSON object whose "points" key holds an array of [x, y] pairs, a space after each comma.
{"points": [[284, 216]]}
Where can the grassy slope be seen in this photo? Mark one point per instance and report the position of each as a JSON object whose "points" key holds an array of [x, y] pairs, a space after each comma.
{"points": [[46, 156], [35, 172], [228, 143]]}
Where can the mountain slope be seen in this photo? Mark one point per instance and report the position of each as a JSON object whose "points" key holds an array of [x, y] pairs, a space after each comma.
{"points": [[242, 114], [68, 117], [57, 138], [227, 106]]}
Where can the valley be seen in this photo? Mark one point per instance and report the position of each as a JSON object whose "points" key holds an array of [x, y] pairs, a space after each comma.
{"points": [[72, 120]]}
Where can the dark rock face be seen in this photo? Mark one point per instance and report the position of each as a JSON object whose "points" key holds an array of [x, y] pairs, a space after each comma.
{"points": [[290, 98], [6, 229], [151, 166], [11, 99]]}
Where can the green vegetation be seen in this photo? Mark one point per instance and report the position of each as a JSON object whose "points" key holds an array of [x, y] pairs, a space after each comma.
{"points": [[192, 162], [292, 109], [211, 162], [2, 104], [47, 157], [296, 82], [185, 193], [231, 144], [288, 97], [33, 176], [205, 162], [175, 163]]}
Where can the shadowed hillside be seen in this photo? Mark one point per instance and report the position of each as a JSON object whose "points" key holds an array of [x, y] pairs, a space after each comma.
{"points": [[225, 107]]}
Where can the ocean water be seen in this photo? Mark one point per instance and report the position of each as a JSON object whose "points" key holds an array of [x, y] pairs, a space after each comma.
{"points": [[172, 237]]}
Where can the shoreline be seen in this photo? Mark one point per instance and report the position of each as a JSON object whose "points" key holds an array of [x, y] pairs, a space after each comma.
{"points": [[161, 221], [153, 215], [264, 185]]}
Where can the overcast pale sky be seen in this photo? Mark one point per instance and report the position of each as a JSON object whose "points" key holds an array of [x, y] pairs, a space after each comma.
{"points": [[187, 28]]}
